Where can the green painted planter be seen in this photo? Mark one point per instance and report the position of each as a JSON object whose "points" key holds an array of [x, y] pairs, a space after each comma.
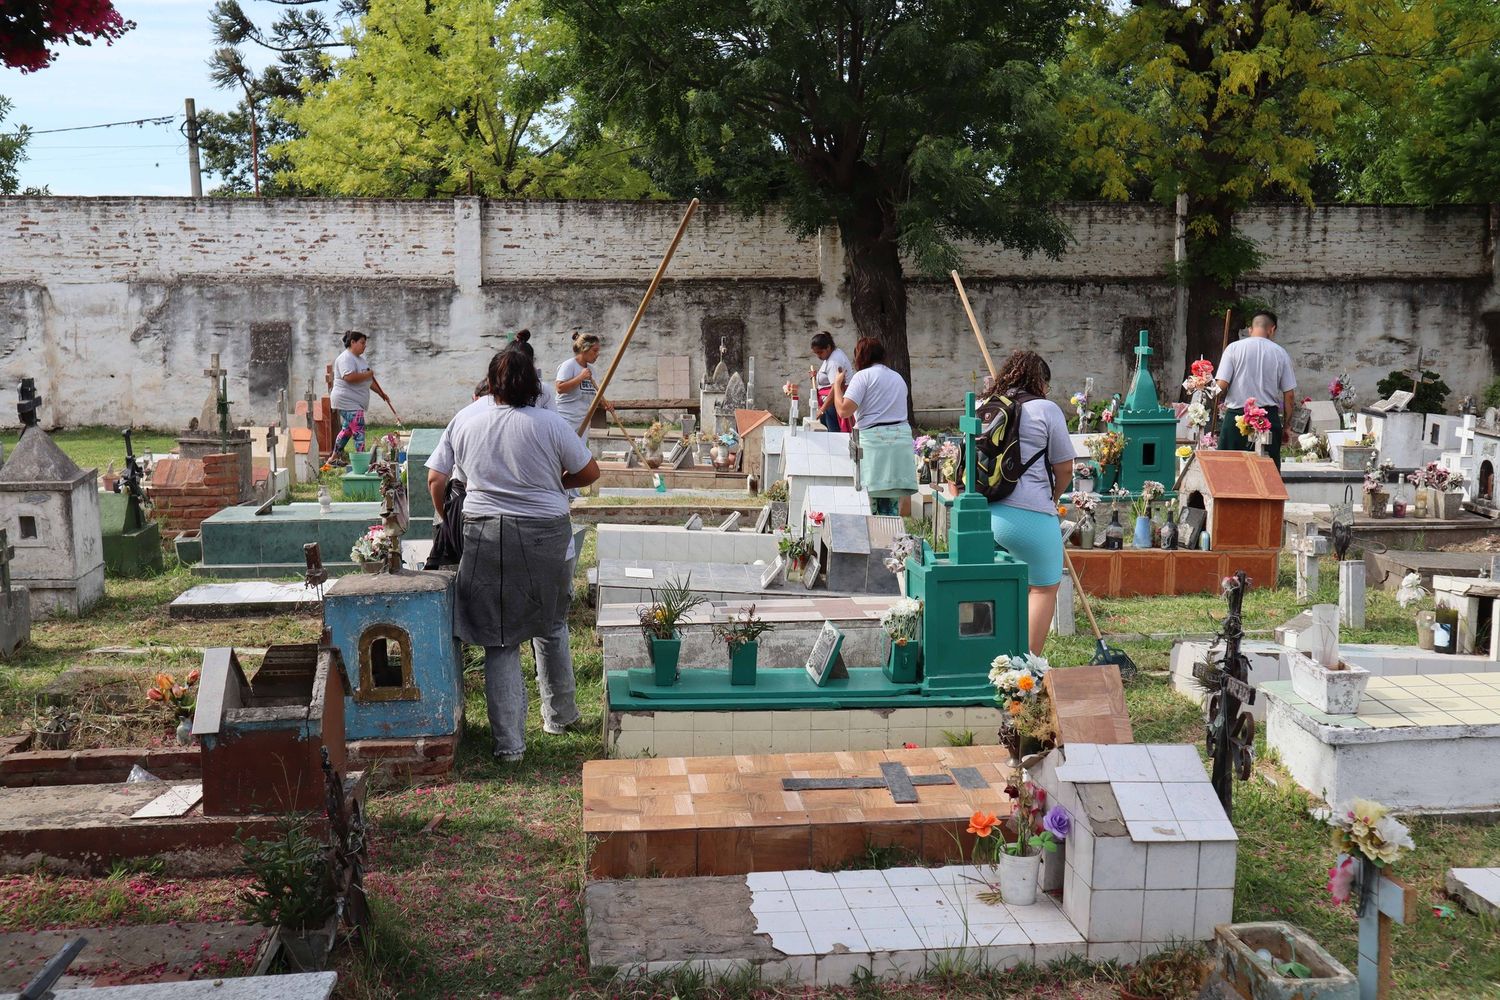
{"points": [[901, 663], [742, 663], [664, 656], [359, 462]]}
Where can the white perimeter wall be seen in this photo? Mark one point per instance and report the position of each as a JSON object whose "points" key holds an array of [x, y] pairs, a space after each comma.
{"points": [[115, 304]]}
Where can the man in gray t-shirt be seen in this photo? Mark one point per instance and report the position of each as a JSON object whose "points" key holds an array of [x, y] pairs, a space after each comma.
{"points": [[1257, 368]]}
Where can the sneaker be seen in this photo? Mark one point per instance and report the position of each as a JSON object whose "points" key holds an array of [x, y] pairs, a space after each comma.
{"points": [[576, 726], [509, 758], [338, 460]]}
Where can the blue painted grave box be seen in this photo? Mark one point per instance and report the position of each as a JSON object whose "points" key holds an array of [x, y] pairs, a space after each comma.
{"points": [[404, 665]]}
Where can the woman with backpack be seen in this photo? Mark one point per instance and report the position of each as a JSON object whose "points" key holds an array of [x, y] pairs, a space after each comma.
{"points": [[1025, 519], [876, 399]]}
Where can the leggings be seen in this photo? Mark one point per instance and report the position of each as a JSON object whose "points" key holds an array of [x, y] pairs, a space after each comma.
{"points": [[353, 427]]}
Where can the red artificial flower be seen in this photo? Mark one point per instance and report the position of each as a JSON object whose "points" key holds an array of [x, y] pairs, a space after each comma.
{"points": [[1202, 368]]}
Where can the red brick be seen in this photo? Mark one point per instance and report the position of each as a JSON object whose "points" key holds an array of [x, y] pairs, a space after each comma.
{"points": [[382, 749], [14, 744], [36, 761], [104, 760], [435, 748]]}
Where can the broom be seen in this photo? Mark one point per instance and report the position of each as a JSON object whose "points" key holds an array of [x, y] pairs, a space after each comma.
{"points": [[1103, 652]]}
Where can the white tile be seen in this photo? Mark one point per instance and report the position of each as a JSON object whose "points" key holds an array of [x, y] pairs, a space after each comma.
{"points": [[1215, 830], [934, 916], [1127, 762], [1193, 803], [869, 898], [943, 936], [758, 881], [792, 944], [1118, 864], [1214, 907], [860, 880], [830, 920], [1167, 915], [1160, 831], [770, 901], [1179, 762], [1052, 933], [1081, 852], [1078, 904], [907, 876], [819, 899], [810, 880], [1119, 952], [1051, 954], [784, 921], [899, 964], [1171, 866], [796, 970], [992, 935], [825, 941], [1115, 915], [1144, 801], [1001, 958], [919, 895], [1216, 861], [839, 970], [1082, 754], [882, 917]]}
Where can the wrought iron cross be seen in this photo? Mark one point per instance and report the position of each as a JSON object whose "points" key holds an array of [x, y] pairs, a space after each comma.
{"points": [[894, 776], [272, 439], [1230, 731], [28, 403], [130, 485], [220, 380]]}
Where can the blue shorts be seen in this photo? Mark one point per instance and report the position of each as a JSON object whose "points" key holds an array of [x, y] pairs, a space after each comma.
{"points": [[1032, 537]]}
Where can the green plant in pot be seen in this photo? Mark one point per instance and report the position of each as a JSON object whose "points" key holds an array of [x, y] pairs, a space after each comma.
{"points": [[55, 729], [659, 622], [292, 889], [793, 549], [902, 623], [742, 635]]}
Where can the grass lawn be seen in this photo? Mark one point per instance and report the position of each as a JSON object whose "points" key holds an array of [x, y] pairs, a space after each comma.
{"points": [[488, 903]]}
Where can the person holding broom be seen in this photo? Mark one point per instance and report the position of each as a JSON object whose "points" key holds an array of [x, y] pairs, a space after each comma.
{"points": [[875, 398], [353, 378]]}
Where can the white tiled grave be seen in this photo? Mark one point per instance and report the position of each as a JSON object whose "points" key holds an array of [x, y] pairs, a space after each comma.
{"points": [[1271, 661], [1416, 743], [1130, 888], [1477, 888]]}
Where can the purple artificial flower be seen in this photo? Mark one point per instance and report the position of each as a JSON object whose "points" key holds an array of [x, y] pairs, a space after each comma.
{"points": [[1057, 822]]}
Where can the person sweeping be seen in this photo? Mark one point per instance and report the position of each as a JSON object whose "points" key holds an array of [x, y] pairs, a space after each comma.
{"points": [[353, 378], [875, 399]]}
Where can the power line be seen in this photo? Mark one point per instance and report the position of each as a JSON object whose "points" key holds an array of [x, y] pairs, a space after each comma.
{"points": [[162, 120]]}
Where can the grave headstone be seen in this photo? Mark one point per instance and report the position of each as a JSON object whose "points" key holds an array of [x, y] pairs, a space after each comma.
{"points": [[772, 574], [694, 522], [1324, 416], [732, 522], [1062, 617], [763, 523], [15, 604], [824, 662], [1306, 548]]}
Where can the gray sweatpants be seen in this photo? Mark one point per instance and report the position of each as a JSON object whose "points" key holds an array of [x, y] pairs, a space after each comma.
{"points": [[505, 689]]}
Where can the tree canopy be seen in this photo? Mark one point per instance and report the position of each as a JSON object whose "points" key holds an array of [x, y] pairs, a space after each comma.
{"points": [[442, 97], [30, 31], [914, 125], [12, 151]]}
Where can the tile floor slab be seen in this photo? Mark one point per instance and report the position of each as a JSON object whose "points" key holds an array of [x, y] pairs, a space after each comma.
{"points": [[881, 917], [779, 922], [768, 902], [1127, 762], [810, 880], [993, 935], [898, 877], [872, 897], [933, 916], [819, 899], [860, 879], [833, 941], [770, 881], [793, 944], [1143, 801]]}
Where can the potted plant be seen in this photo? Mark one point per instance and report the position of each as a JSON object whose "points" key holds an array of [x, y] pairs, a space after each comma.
{"points": [[795, 550], [1085, 503], [659, 621], [56, 729], [1375, 495], [1141, 508], [1177, 974], [1022, 698], [742, 635], [292, 889], [1018, 862], [179, 699], [902, 623], [1106, 450], [776, 495], [373, 549], [651, 441]]}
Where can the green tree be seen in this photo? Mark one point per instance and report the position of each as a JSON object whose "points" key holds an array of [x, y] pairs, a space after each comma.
{"points": [[911, 124], [1236, 101], [442, 97], [12, 151]]}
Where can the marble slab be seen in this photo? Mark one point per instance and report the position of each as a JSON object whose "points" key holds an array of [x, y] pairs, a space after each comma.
{"points": [[246, 599]]}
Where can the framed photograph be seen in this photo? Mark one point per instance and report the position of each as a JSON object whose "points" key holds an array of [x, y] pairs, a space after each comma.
{"points": [[823, 660], [764, 521], [772, 573], [810, 574]]}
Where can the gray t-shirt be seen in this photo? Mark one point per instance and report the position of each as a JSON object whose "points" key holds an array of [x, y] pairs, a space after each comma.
{"points": [[836, 359], [574, 406], [879, 395], [514, 459], [1256, 368], [349, 395], [1043, 426]]}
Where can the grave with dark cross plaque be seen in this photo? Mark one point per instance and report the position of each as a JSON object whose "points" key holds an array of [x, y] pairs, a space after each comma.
{"points": [[50, 508], [132, 542], [1230, 732], [212, 433], [15, 604]]}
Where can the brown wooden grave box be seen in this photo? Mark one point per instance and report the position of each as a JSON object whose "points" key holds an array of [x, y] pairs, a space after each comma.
{"points": [[262, 741], [1242, 497]]}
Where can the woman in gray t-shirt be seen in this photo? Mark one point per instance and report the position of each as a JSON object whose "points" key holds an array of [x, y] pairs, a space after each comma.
{"points": [[575, 385], [1026, 523]]}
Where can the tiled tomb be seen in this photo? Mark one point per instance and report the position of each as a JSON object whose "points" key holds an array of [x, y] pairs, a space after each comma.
{"points": [[1450, 718], [1477, 888], [817, 459], [1130, 887]]}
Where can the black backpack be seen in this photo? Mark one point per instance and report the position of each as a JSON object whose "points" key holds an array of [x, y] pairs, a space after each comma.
{"points": [[997, 448]]}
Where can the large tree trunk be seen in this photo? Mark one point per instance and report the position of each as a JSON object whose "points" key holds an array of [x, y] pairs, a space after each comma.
{"points": [[877, 289], [1208, 296]]}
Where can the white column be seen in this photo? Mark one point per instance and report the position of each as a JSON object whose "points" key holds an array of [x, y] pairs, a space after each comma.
{"points": [[1062, 617], [1352, 593], [468, 244]]}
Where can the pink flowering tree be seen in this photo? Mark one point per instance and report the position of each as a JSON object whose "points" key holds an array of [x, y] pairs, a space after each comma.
{"points": [[31, 30]]}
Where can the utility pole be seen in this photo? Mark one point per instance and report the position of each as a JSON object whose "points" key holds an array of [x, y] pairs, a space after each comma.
{"points": [[195, 172]]}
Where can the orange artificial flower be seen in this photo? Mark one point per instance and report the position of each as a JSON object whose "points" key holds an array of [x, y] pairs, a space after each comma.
{"points": [[982, 824], [1014, 708], [164, 682], [1026, 682]]}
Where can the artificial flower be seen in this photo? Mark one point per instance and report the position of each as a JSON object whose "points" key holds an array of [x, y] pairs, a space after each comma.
{"points": [[908, 746], [1202, 368], [1184, 450], [1057, 822], [982, 824], [155, 694], [1014, 708], [1025, 682], [1341, 879]]}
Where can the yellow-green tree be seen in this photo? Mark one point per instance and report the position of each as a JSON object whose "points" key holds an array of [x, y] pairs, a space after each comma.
{"points": [[1232, 101], [442, 97]]}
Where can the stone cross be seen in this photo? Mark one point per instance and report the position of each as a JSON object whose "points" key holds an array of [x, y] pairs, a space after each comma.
{"points": [[219, 398], [1307, 547], [28, 403], [1389, 900], [7, 553], [272, 440], [1352, 593], [894, 776]]}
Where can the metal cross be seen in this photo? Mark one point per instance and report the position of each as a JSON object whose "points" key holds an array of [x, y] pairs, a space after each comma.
{"points": [[28, 403], [1230, 731], [130, 485], [895, 777], [317, 573], [272, 440], [1382, 900]]}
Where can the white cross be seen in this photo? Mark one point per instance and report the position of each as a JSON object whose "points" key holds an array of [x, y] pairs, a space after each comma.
{"points": [[1307, 547], [1391, 900]]}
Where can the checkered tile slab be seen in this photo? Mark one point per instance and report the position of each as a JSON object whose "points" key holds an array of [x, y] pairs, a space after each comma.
{"points": [[730, 815], [1415, 700]]}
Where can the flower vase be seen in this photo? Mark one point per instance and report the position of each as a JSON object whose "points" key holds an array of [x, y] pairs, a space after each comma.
{"points": [[1142, 537], [664, 656], [1087, 528], [1169, 535], [1109, 477], [654, 458], [1114, 533], [1452, 504], [184, 731], [901, 662], [1375, 503], [1018, 877], [1083, 480], [742, 663], [359, 463]]}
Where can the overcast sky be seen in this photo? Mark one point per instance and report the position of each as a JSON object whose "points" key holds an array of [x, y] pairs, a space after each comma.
{"points": [[146, 74]]}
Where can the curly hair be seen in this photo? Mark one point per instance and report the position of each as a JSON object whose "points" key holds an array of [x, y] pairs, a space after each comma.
{"points": [[1023, 370]]}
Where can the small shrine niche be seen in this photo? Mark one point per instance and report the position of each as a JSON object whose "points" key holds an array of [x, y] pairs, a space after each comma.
{"points": [[385, 665]]}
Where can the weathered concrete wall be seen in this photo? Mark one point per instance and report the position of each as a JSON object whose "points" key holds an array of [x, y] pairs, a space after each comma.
{"points": [[115, 304]]}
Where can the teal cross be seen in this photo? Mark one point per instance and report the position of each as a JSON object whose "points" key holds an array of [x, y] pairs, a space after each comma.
{"points": [[969, 425]]}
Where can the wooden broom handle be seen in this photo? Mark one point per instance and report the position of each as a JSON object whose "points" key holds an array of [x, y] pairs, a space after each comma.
{"points": [[984, 349]]}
